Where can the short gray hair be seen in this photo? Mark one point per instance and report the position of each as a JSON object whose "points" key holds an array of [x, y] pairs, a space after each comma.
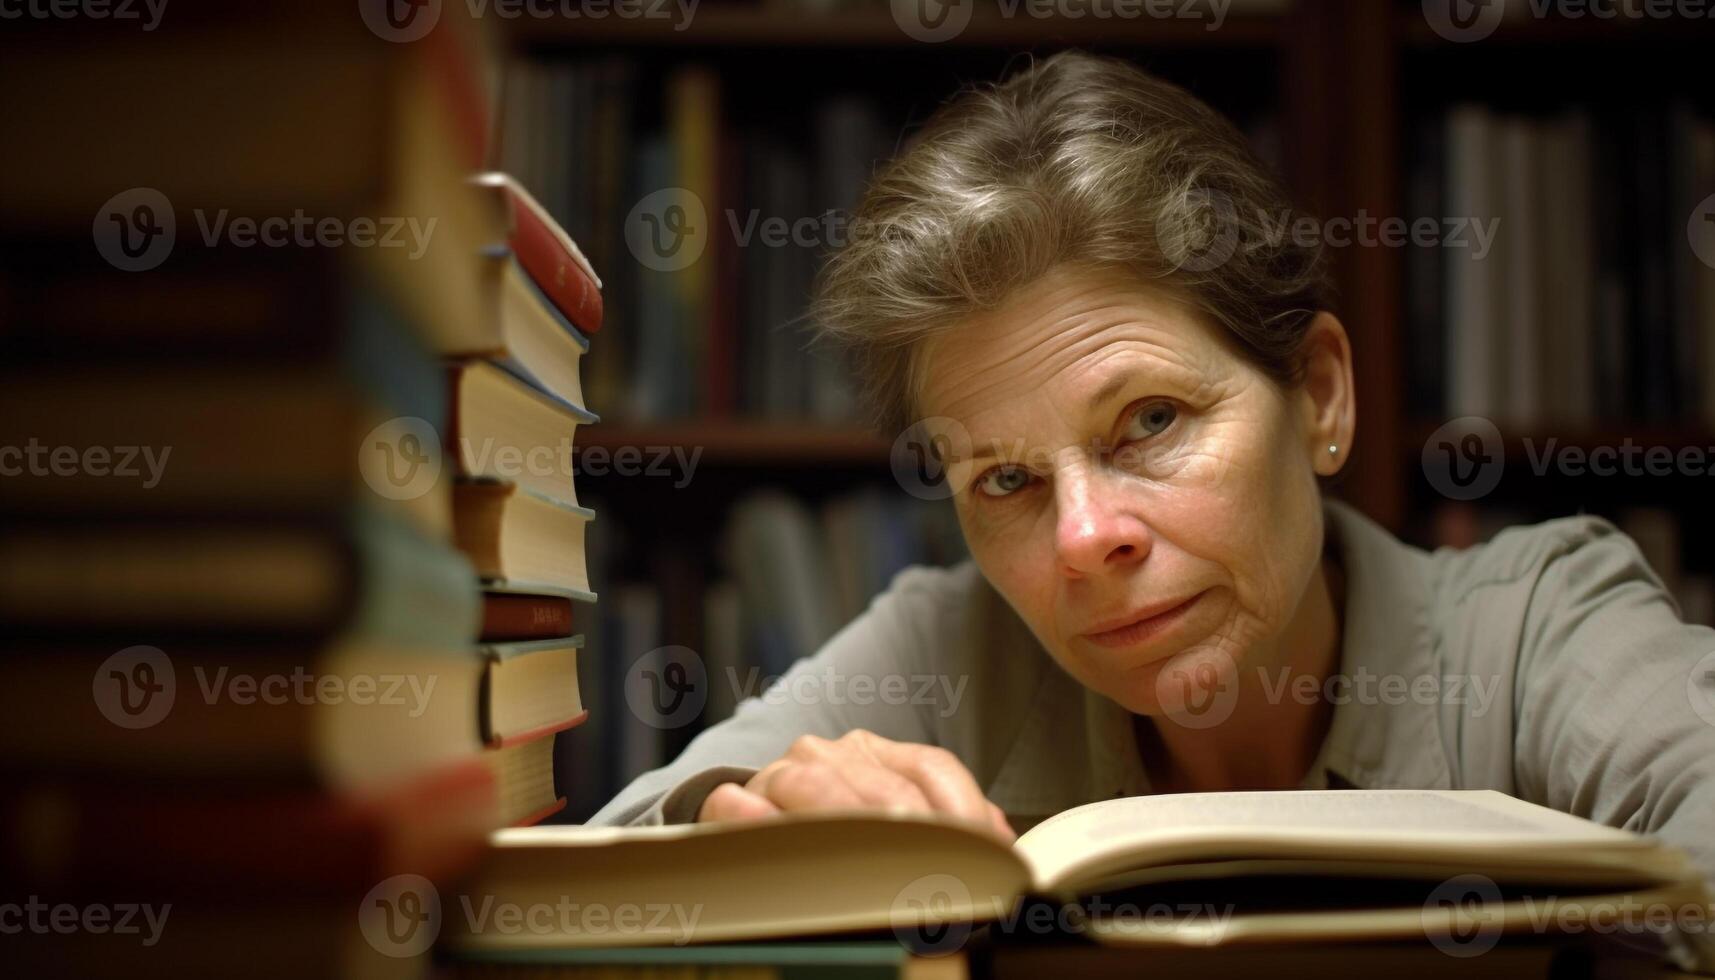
{"points": [[1078, 160]]}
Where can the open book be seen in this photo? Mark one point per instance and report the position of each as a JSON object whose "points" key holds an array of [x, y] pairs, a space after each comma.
{"points": [[1225, 867]]}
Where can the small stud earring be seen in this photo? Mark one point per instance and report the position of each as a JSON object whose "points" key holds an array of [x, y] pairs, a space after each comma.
{"points": [[1333, 450]]}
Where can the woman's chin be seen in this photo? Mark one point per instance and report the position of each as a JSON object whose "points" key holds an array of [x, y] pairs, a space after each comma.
{"points": [[1177, 684]]}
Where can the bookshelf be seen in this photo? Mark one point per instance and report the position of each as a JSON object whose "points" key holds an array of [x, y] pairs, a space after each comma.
{"points": [[1344, 73], [1335, 88]]}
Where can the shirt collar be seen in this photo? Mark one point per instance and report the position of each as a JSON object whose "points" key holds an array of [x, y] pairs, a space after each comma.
{"points": [[1053, 765], [1383, 742]]}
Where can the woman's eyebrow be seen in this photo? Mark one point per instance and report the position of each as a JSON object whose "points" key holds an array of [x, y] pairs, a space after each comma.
{"points": [[1114, 386], [1110, 388]]}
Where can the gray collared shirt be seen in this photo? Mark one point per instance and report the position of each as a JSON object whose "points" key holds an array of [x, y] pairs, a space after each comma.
{"points": [[1549, 664]]}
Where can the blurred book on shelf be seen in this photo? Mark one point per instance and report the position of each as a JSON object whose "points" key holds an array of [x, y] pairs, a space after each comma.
{"points": [[703, 333], [1570, 299], [1574, 312]]}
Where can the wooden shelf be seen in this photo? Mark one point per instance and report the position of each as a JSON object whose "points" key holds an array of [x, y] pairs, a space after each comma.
{"points": [[876, 28], [745, 443]]}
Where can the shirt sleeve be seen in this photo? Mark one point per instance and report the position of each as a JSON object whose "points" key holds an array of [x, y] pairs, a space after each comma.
{"points": [[1616, 697], [861, 678]]}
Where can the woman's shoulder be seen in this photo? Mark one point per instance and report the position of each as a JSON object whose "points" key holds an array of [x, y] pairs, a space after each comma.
{"points": [[1532, 576], [1523, 553]]}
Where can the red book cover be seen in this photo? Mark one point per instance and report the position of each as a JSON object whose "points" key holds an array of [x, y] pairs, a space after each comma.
{"points": [[548, 255]]}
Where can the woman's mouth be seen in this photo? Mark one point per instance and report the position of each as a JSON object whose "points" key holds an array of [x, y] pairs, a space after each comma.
{"points": [[1143, 625]]}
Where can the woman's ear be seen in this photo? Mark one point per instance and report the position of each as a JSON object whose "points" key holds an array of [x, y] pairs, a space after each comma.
{"points": [[1327, 397]]}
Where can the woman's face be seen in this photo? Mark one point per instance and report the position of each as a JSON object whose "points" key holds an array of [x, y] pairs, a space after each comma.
{"points": [[1144, 498]]}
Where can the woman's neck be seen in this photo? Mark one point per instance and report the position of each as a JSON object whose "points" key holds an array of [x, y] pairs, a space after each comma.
{"points": [[1275, 731]]}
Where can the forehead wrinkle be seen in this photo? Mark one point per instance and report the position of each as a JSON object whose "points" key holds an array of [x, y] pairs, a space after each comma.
{"points": [[1051, 327], [1085, 354]]}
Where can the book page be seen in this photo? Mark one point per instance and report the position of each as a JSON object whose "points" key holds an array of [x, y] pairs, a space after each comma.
{"points": [[1141, 831]]}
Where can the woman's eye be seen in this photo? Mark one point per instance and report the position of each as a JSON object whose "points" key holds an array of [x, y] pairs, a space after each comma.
{"points": [[1151, 420], [1003, 480]]}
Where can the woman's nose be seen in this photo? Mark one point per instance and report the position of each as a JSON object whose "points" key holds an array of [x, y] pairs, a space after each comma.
{"points": [[1096, 529]]}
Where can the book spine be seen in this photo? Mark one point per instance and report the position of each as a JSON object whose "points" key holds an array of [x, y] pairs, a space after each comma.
{"points": [[555, 272], [525, 617]]}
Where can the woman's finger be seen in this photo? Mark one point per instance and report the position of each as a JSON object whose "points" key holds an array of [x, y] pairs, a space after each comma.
{"points": [[881, 787], [730, 801], [1002, 826], [946, 782], [800, 786]]}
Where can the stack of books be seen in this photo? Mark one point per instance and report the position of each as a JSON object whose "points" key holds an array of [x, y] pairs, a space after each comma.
{"points": [[247, 730], [516, 406]]}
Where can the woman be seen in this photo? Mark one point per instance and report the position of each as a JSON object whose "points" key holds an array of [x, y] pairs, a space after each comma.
{"points": [[1138, 392]]}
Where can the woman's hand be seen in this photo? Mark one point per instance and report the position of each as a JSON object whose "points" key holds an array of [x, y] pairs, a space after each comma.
{"points": [[858, 770]]}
